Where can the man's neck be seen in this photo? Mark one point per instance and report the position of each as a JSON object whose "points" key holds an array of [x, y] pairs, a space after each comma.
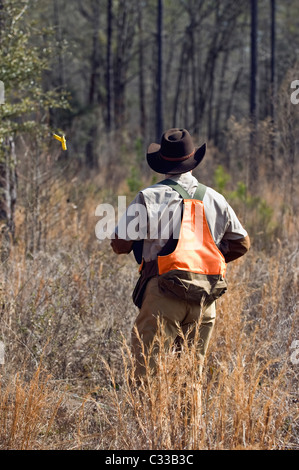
{"points": [[177, 176]]}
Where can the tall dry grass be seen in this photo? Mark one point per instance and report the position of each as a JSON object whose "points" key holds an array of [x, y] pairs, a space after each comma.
{"points": [[247, 398], [69, 305], [28, 410]]}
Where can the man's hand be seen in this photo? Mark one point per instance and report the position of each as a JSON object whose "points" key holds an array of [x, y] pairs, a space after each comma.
{"points": [[121, 247]]}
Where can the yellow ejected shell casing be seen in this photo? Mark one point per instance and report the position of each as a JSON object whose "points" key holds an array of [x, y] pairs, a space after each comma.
{"points": [[62, 140], [64, 143]]}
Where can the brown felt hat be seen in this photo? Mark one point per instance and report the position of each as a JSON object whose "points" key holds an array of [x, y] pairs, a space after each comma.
{"points": [[176, 153]]}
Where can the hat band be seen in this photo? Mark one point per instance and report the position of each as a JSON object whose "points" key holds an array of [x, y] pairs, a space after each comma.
{"points": [[180, 159]]}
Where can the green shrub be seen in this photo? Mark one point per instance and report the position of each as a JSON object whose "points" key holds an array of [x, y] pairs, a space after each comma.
{"points": [[134, 181], [254, 211]]}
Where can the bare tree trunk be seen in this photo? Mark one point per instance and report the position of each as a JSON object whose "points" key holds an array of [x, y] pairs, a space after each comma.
{"points": [[119, 76], [159, 103], [253, 170], [183, 60], [187, 54], [143, 117], [273, 84], [224, 67], [234, 87], [126, 18], [91, 157], [210, 104], [8, 195], [8, 180], [194, 58], [109, 65], [212, 72], [1, 18], [56, 13], [95, 57]]}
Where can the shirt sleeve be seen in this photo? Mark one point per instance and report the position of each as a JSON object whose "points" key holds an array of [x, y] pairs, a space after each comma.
{"points": [[132, 225], [234, 229], [235, 242]]}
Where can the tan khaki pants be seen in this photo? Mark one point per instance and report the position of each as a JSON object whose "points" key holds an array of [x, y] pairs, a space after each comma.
{"points": [[172, 312]]}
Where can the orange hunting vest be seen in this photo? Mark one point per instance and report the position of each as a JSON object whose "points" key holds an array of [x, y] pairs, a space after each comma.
{"points": [[196, 250], [195, 268]]}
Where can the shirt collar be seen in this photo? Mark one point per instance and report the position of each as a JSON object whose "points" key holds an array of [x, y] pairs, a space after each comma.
{"points": [[179, 176]]}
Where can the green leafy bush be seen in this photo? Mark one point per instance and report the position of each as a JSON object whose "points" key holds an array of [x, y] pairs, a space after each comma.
{"points": [[258, 216]]}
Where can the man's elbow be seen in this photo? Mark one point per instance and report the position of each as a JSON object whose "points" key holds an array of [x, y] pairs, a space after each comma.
{"points": [[237, 248], [247, 243]]}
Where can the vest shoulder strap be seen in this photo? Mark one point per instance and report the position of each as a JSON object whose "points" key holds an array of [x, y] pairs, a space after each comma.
{"points": [[199, 193]]}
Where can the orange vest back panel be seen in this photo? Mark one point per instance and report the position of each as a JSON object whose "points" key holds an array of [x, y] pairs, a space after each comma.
{"points": [[196, 250]]}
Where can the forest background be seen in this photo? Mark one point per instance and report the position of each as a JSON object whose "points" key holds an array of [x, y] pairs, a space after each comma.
{"points": [[112, 75]]}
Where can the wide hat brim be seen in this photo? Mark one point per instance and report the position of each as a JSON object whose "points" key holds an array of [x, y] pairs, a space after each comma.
{"points": [[160, 165]]}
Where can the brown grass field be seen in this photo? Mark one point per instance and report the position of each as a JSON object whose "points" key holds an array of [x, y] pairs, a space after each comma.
{"points": [[65, 320]]}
